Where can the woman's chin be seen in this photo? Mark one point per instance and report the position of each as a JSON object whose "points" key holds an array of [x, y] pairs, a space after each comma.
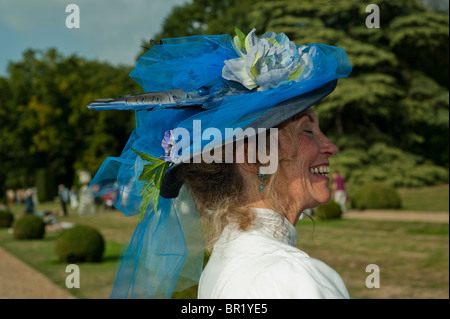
{"points": [[323, 198]]}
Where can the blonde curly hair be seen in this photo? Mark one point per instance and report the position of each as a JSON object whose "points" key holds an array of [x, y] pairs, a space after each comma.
{"points": [[221, 194]]}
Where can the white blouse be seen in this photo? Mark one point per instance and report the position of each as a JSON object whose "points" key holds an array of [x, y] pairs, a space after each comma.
{"points": [[263, 263]]}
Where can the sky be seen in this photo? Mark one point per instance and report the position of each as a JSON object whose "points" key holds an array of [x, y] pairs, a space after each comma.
{"points": [[109, 30]]}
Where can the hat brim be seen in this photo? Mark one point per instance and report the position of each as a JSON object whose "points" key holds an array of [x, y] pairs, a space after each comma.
{"points": [[283, 111]]}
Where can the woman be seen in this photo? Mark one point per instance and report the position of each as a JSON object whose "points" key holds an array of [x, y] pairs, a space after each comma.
{"points": [[172, 171], [339, 191], [254, 256]]}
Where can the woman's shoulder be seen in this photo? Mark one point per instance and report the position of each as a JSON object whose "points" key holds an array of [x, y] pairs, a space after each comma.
{"points": [[297, 265], [296, 275], [252, 265], [282, 273]]}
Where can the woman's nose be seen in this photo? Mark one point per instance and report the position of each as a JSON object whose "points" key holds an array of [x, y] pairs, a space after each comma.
{"points": [[328, 147]]}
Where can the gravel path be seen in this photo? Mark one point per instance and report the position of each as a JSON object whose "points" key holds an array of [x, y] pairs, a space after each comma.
{"points": [[20, 281], [432, 217]]}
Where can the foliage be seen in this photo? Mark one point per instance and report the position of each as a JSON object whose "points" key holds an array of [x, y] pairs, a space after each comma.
{"points": [[45, 184], [80, 244], [152, 174], [29, 227], [331, 210], [207, 17], [429, 198], [6, 218], [394, 105], [44, 122], [389, 164], [376, 195], [397, 95]]}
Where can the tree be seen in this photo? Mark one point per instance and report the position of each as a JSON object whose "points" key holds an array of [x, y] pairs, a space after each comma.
{"points": [[397, 94], [44, 120], [396, 99]]}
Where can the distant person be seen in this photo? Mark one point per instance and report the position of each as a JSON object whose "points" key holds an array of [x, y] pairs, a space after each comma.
{"points": [[4, 205], [87, 202], [64, 197], [73, 197], [10, 196], [109, 203], [34, 194], [29, 202], [339, 191]]}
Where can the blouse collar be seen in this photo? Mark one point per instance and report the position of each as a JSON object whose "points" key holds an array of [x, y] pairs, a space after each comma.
{"points": [[275, 225]]}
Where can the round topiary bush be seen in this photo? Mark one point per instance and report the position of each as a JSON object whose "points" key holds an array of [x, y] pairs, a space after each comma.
{"points": [[331, 210], [29, 227], [6, 218], [80, 244], [376, 195]]}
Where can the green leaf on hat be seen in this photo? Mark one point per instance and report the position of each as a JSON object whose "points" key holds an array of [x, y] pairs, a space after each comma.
{"points": [[152, 174], [239, 39]]}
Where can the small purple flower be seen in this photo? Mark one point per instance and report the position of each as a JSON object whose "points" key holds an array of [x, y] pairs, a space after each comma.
{"points": [[167, 144]]}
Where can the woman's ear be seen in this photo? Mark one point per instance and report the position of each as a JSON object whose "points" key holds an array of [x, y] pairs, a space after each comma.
{"points": [[246, 157], [249, 167]]}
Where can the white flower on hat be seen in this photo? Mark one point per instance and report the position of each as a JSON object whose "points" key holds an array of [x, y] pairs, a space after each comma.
{"points": [[267, 62]]}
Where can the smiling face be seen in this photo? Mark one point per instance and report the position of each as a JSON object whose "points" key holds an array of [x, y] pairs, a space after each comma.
{"points": [[305, 153]]}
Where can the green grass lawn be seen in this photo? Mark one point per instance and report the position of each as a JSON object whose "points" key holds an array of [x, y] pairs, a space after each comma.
{"points": [[412, 256]]}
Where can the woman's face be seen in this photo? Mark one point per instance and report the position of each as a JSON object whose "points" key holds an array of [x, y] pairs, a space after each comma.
{"points": [[306, 174]]}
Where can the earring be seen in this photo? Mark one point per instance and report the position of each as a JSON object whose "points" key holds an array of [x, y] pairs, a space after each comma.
{"points": [[262, 177]]}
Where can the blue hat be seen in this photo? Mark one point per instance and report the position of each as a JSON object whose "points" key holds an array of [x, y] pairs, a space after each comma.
{"points": [[220, 82]]}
